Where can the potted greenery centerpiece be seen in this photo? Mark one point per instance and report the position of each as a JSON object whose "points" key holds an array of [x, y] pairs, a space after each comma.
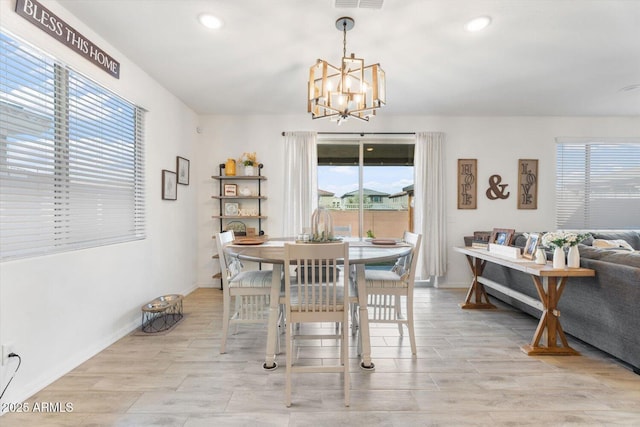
{"points": [[249, 161]]}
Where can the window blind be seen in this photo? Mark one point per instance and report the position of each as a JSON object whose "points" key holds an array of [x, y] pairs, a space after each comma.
{"points": [[598, 184], [71, 158]]}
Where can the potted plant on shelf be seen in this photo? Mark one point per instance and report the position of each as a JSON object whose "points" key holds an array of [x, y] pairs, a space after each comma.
{"points": [[249, 161]]}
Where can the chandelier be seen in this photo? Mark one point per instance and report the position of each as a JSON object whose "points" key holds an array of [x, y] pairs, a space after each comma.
{"points": [[351, 90]]}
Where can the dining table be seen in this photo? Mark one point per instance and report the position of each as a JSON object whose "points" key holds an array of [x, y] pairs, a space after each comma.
{"points": [[361, 253]]}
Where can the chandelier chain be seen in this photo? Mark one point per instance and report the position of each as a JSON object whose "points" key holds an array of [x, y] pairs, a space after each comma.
{"points": [[344, 38]]}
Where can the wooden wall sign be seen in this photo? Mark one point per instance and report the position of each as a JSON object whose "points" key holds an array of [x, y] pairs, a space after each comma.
{"points": [[528, 184], [467, 183], [49, 22], [497, 190]]}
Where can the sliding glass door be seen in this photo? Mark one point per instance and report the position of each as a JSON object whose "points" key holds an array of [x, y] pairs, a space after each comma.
{"points": [[367, 185]]}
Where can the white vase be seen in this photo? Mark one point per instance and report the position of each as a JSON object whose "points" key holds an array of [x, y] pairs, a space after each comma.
{"points": [[573, 257], [541, 256], [249, 171], [558, 258]]}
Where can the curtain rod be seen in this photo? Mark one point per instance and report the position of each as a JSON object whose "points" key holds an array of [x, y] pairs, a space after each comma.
{"points": [[363, 133]]}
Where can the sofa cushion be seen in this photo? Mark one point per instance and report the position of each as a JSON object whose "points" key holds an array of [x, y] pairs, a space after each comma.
{"points": [[631, 259], [631, 237], [619, 244]]}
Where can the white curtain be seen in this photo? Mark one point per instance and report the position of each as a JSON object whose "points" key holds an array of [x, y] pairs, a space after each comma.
{"points": [[430, 209], [300, 181]]}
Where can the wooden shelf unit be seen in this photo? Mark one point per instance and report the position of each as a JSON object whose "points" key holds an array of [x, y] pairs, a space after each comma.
{"points": [[256, 198]]}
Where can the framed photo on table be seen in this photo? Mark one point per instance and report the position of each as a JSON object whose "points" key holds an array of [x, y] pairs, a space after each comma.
{"points": [[182, 166], [169, 185], [230, 190], [501, 236], [530, 248]]}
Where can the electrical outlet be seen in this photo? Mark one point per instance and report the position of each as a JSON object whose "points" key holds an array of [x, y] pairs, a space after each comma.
{"points": [[7, 349]]}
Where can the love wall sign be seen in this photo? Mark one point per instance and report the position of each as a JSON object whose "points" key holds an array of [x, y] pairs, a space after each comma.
{"points": [[528, 184]]}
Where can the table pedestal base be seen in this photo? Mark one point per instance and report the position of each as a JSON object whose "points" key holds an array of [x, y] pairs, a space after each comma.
{"points": [[548, 351], [549, 329], [477, 297]]}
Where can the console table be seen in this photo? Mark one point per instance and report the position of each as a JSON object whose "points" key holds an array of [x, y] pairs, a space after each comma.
{"points": [[549, 283]]}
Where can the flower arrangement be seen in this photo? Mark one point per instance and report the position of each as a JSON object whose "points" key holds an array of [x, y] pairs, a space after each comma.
{"points": [[574, 238], [248, 159], [561, 239]]}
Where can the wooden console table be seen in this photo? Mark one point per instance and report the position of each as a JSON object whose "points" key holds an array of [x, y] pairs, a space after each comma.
{"points": [[549, 283]]}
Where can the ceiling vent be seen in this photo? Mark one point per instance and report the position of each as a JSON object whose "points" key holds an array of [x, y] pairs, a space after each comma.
{"points": [[360, 4]]}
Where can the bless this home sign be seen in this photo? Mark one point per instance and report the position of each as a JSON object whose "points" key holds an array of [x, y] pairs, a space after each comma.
{"points": [[48, 22]]}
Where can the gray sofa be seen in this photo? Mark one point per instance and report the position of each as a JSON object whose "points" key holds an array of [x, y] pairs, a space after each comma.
{"points": [[604, 310]]}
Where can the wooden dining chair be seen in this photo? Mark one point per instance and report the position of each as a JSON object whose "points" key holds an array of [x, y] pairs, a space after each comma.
{"points": [[248, 290], [317, 292], [386, 289]]}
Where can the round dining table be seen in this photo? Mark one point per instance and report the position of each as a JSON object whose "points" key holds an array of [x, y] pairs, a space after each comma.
{"points": [[361, 252]]}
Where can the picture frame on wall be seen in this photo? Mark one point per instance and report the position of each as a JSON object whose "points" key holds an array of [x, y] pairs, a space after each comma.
{"points": [[467, 183], [169, 185], [528, 184], [230, 190], [529, 250], [502, 236], [182, 168]]}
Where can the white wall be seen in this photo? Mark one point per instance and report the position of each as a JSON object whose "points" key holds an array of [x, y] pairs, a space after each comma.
{"points": [[497, 143], [59, 310]]}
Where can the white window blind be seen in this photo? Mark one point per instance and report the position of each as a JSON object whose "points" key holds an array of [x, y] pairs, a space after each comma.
{"points": [[598, 184], [71, 158]]}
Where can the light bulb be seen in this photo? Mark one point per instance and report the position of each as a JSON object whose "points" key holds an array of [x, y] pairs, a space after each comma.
{"points": [[210, 21]]}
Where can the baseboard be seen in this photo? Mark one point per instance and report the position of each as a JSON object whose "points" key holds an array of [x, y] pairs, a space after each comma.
{"points": [[70, 364], [78, 359]]}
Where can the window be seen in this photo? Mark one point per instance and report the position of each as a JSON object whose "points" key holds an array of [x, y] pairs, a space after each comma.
{"points": [[367, 185], [71, 158], [598, 184]]}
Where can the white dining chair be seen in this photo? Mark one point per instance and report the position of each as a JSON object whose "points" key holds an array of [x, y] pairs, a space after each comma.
{"points": [[387, 288], [317, 292], [248, 290]]}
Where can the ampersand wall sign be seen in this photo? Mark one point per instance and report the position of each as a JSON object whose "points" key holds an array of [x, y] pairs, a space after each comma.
{"points": [[497, 190]]}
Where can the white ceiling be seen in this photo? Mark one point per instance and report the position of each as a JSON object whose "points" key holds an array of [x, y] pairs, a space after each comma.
{"points": [[539, 57]]}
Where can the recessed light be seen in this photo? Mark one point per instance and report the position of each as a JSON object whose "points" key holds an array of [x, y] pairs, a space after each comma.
{"points": [[478, 24], [210, 21], [369, 149]]}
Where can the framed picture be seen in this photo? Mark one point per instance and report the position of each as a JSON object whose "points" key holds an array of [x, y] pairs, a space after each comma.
{"points": [[501, 236], [530, 247], [182, 166], [528, 184], [230, 190], [169, 185], [467, 183], [231, 209]]}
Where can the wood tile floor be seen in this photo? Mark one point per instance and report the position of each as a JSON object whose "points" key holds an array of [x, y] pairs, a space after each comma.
{"points": [[469, 372]]}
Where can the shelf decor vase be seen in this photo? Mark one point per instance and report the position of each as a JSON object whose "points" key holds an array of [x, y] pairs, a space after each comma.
{"points": [[541, 256], [558, 258], [249, 170], [230, 167], [573, 257]]}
